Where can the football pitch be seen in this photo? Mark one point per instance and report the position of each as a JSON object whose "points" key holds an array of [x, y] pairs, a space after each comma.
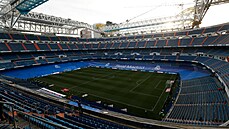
{"points": [[142, 93]]}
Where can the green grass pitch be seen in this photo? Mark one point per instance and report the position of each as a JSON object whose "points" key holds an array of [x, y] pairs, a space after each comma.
{"points": [[142, 93]]}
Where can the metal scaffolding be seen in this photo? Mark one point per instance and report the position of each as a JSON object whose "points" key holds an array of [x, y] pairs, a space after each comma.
{"points": [[201, 8], [13, 16], [187, 19], [38, 22]]}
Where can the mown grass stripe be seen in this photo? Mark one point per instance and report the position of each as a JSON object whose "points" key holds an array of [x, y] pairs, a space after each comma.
{"points": [[135, 90]]}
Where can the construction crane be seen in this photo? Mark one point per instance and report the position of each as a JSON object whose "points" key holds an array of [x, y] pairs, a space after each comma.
{"points": [[154, 8]]}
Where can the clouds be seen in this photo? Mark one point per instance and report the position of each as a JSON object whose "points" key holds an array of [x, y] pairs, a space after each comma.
{"points": [[100, 11]]}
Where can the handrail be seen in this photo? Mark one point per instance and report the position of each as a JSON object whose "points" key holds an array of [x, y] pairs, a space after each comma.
{"points": [[45, 121]]}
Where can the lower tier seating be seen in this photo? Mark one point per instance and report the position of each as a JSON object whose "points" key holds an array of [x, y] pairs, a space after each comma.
{"points": [[201, 101]]}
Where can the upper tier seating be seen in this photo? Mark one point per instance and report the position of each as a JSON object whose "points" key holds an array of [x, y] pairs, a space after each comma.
{"points": [[16, 47], [29, 37], [154, 43], [3, 47]]}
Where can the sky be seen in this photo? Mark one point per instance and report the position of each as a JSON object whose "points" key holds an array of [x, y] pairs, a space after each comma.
{"points": [[118, 11]]}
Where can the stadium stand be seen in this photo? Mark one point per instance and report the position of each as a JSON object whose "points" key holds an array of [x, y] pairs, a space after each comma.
{"points": [[38, 107], [201, 101]]}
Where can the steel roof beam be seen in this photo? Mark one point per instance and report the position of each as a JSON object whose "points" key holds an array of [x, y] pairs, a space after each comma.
{"points": [[201, 8]]}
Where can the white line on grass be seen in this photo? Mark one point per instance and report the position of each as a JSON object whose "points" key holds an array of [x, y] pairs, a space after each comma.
{"points": [[93, 80], [140, 83], [144, 94], [157, 84], [158, 99], [117, 101]]}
